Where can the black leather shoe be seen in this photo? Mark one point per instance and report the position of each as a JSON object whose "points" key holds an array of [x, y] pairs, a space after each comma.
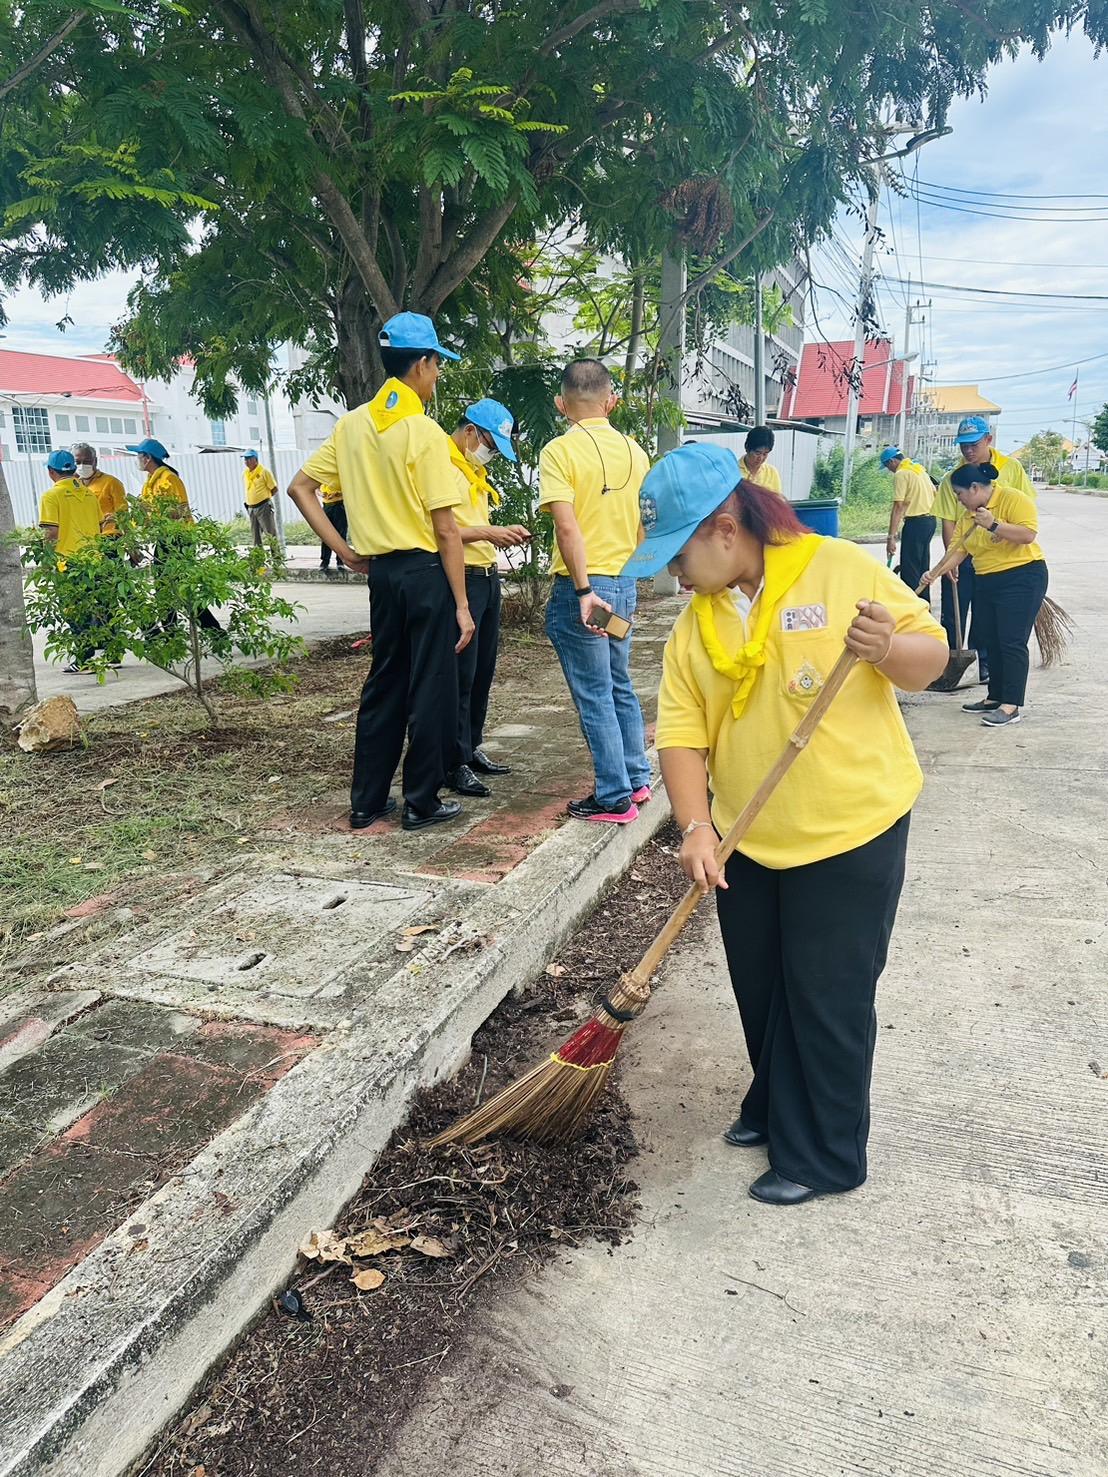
{"points": [[448, 810], [359, 819], [464, 782], [774, 1189], [743, 1137], [482, 764]]}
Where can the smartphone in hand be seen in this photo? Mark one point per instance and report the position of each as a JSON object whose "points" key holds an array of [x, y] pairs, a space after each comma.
{"points": [[615, 625]]}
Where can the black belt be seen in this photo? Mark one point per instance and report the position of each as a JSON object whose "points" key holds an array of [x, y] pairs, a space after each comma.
{"points": [[484, 571]]}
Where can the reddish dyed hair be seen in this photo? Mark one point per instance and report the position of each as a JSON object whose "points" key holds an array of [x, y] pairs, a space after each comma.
{"points": [[763, 513]]}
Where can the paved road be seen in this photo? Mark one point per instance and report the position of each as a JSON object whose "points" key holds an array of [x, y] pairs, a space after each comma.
{"points": [[947, 1320], [328, 610]]}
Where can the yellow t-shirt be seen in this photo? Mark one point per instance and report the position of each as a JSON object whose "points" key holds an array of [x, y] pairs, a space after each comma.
{"points": [[992, 555], [163, 485], [859, 774], [112, 497], [476, 493], [575, 468], [391, 463], [260, 485], [1012, 474], [913, 487], [75, 509], [765, 476], [330, 495]]}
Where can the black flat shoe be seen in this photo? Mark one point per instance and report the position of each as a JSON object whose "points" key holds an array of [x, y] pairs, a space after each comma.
{"points": [[448, 810], [464, 782], [359, 819], [482, 764], [774, 1189], [743, 1137]]}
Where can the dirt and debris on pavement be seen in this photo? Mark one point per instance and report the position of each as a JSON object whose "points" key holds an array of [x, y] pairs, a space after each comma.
{"points": [[323, 1380]]}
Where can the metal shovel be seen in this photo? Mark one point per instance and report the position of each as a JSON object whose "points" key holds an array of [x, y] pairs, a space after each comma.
{"points": [[959, 661]]}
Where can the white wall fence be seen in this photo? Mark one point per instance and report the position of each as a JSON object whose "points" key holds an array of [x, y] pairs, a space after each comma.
{"points": [[794, 454], [213, 479]]}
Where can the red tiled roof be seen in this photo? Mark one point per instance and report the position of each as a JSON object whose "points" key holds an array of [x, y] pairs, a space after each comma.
{"points": [[822, 387], [91, 378]]}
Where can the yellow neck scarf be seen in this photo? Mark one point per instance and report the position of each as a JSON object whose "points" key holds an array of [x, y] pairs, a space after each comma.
{"points": [[393, 402], [476, 477], [784, 564]]}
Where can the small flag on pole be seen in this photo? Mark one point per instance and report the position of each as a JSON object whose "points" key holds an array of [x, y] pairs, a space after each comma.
{"points": [[1073, 389]]}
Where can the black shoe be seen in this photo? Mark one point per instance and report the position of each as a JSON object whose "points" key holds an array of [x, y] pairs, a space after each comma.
{"points": [[774, 1189], [482, 764], [590, 809], [412, 820], [986, 705], [743, 1137], [359, 819], [464, 782]]}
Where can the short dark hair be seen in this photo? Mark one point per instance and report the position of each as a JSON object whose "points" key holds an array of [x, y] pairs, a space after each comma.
{"points": [[398, 362], [586, 379], [759, 438]]}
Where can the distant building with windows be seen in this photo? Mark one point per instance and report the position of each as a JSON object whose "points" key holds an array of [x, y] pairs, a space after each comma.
{"points": [[941, 407], [820, 393]]}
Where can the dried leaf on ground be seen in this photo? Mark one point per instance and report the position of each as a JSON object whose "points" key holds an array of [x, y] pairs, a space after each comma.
{"points": [[369, 1279], [405, 946], [430, 1246], [106, 784], [150, 856], [374, 1242], [418, 928], [556, 971], [324, 1246]]}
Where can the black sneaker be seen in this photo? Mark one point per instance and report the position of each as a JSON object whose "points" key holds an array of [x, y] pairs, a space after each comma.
{"points": [[590, 809], [999, 718], [984, 705]]}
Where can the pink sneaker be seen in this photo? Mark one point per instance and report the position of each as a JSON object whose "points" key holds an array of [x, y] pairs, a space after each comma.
{"points": [[590, 809], [641, 795]]}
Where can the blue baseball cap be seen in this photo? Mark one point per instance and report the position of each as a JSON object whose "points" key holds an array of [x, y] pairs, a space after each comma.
{"points": [[62, 461], [971, 428], [679, 492], [150, 447], [413, 331], [248, 454], [891, 454], [498, 420]]}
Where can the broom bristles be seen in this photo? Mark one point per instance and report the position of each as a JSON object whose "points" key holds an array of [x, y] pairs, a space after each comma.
{"points": [[1053, 630]]}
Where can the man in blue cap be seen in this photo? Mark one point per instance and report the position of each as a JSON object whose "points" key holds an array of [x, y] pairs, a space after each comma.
{"points": [[911, 520], [391, 463], [69, 516], [975, 444], [484, 432]]}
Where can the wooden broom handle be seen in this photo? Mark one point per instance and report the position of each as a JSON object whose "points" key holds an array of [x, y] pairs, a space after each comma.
{"points": [[957, 546], [798, 740]]}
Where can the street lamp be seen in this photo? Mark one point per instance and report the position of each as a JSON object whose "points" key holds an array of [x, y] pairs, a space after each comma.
{"points": [[865, 284]]}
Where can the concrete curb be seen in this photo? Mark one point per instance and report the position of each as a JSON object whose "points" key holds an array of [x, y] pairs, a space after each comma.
{"points": [[91, 1374]]}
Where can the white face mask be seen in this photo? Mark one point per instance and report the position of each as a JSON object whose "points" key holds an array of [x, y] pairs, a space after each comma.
{"points": [[481, 457], [86, 471]]}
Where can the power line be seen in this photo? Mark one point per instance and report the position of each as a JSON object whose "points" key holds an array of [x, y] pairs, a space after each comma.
{"points": [[998, 215], [1004, 195], [971, 261], [1085, 297]]}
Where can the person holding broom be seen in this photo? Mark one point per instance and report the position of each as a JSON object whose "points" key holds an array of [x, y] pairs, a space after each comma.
{"points": [[997, 530], [807, 903]]}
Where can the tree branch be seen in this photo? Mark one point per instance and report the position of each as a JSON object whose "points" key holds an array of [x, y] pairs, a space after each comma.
{"points": [[452, 273], [43, 54], [597, 13]]}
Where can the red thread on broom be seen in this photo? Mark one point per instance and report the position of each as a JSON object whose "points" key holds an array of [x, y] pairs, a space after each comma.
{"points": [[594, 1045]]}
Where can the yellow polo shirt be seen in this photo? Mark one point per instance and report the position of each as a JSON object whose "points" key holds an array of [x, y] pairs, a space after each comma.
{"points": [[913, 487], [164, 486], [859, 773], [766, 476], [75, 509], [992, 555], [260, 485], [1012, 474], [112, 497], [575, 468], [476, 492], [391, 463]]}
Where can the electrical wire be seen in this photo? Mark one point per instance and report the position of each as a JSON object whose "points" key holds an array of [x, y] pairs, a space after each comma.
{"points": [[1002, 194]]}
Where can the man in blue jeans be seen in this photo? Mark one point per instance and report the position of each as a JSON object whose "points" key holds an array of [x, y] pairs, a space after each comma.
{"points": [[589, 482]]}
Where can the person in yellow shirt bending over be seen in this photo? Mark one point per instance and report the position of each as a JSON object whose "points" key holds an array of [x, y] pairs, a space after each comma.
{"points": [[589, 482], [911, 520], [808, 901], [391, 463], [259, 486], [755, 465], [998, 526], [484, 432], [70, 517]]}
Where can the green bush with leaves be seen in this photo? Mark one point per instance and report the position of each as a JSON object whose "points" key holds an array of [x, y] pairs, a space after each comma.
{"points": [[148, 593]]}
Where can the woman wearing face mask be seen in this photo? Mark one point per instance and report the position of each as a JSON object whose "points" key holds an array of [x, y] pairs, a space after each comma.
{"points": [[998, 529], [484, 433], [806, 907]]}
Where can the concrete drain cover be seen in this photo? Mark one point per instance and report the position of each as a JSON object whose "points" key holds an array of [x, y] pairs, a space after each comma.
{"points": [[289, 936]]}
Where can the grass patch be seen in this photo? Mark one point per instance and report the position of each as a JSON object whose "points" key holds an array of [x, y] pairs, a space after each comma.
{"points": [[864, 512], [297, 532]]}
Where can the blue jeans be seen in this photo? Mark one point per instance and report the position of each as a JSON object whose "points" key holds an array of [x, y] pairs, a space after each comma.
{"points": [[599, 680]]}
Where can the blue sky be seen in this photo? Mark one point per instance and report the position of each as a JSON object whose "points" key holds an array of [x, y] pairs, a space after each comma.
{"points": [[1042, 130]]}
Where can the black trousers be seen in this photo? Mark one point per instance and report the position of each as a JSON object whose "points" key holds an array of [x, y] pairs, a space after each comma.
{"points": [[412, 685], [336, 514], [1005, 607], [915, 551], [477, 663], [805, 948]]}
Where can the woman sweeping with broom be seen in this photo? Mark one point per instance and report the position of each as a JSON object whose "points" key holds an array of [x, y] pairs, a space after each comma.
{"points": [[806, 905]]}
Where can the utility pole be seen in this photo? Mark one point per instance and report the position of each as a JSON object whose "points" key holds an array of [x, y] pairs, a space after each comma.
{"points": [[865, 295], [759, 356], [671, 346], [909, 322]]}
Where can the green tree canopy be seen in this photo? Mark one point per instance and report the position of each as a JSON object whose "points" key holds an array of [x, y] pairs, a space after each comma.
{"points": [[1099, 429], [1046, 452]]}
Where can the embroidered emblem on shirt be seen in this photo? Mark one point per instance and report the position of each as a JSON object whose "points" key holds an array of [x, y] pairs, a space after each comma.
{"points": [[804, 618], [805, 681], [648, 512], [393, 400]]}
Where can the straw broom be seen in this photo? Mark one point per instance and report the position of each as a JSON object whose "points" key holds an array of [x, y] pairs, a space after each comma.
{"points": [[1053, 625], [550, 1104]]}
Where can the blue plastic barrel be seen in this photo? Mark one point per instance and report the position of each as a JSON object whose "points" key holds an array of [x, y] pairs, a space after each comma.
{"points": [[821, 515]]}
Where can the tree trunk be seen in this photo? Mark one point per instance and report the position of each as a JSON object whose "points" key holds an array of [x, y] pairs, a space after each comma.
{"points": [[17, 657], [357, 324]]}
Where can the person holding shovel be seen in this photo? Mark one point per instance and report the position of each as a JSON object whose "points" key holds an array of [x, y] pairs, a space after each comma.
{"points": [[807, 903], [997, 530]]}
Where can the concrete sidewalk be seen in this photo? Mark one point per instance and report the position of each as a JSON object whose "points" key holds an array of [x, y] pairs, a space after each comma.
{"points": [[947, 1319]]}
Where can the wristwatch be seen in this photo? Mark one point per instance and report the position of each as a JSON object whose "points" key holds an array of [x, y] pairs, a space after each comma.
{"points": [[995, 525]]}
